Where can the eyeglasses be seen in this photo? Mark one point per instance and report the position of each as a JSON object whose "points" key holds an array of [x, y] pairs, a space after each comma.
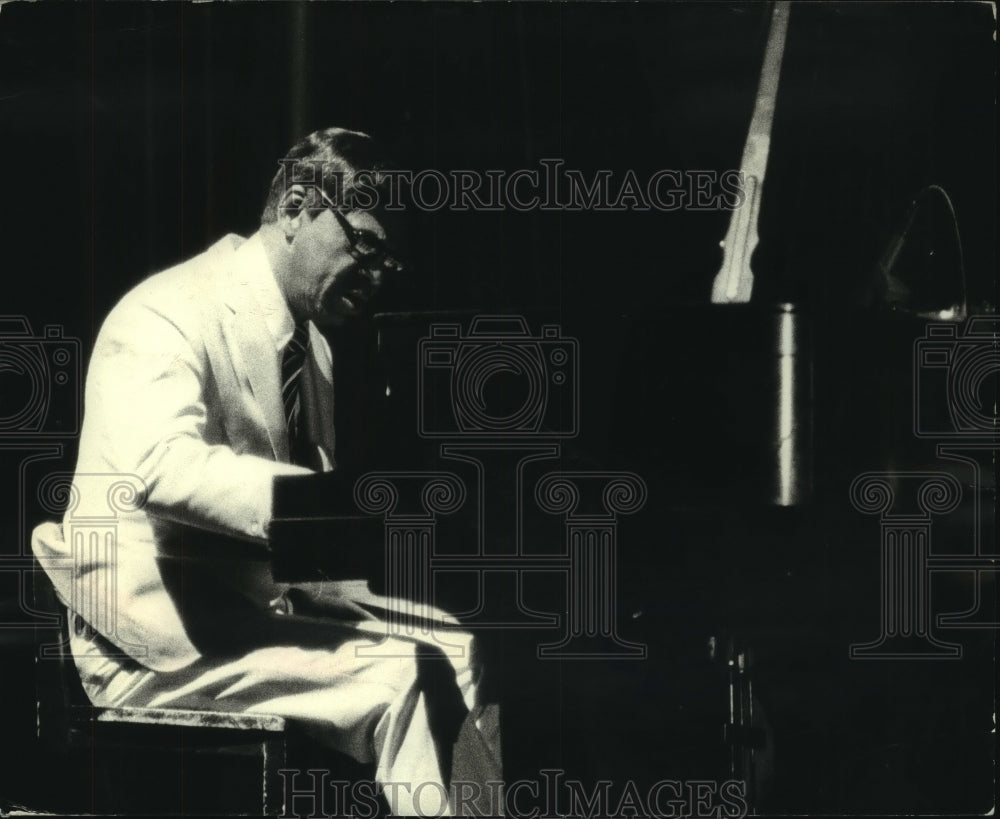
{"points": [[369, 250]]}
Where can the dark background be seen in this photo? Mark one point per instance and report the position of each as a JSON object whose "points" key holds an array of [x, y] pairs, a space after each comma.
{"points": [[135, 135]]}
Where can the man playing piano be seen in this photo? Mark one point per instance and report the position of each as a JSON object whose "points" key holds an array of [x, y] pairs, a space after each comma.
{"points": [[206, 382]]}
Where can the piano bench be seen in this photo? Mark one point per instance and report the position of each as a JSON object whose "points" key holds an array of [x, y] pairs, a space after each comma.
{"points": [[169, 761], [164, 761], [147, 760]]}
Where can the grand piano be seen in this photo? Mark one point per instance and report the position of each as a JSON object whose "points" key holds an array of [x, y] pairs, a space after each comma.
{"points": [[675, 630], [658, 517]]}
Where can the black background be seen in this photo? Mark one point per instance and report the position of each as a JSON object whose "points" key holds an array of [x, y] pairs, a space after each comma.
{"points": [[134, 135]]}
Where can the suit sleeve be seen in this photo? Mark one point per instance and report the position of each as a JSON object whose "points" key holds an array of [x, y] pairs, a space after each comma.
{"points": [[146, 414]]}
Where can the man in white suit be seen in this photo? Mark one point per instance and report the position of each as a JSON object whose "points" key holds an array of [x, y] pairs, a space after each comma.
{"points": [[207, 381]]}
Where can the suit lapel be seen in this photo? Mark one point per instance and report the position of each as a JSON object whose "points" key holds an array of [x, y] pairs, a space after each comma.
{"points": [[257, 365], [256, 361]]}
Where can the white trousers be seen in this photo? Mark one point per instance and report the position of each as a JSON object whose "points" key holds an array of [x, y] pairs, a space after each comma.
{"points": [[359, 691]]}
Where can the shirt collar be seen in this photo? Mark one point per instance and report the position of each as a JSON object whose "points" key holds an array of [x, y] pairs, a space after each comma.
{"points": [[256, 273]]}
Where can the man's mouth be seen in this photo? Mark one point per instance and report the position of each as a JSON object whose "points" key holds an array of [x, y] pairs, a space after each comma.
{"points": [[355, 300], [350, 294]]}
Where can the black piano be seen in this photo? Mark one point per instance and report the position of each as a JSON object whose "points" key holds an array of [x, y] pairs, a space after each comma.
{"points": [[642, 566], [663, 517]]}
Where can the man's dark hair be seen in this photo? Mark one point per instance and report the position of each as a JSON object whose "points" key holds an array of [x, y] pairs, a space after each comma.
{"points": [[332, 157]]}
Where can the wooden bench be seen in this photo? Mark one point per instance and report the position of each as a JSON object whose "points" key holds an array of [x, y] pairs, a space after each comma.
{"points": [[153, 760]]}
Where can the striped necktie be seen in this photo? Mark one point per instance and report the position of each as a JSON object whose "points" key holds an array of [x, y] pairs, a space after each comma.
{"points": [[292, 360]]}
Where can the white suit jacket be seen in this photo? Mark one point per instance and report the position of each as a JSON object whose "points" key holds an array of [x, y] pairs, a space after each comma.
{"points": [[182, 397]]}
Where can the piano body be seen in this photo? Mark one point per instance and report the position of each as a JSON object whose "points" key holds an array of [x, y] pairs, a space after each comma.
{"points": [[708, 560], [646, 516]]}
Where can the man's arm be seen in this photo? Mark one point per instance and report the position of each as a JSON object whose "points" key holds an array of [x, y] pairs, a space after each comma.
{"points": [[150, 402]]}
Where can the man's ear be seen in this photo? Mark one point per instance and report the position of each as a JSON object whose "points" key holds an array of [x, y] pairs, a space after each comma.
{"points": [[292, 211]]}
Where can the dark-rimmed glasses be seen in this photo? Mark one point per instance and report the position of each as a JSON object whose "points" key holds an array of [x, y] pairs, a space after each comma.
{"points": [[366, 247]]}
